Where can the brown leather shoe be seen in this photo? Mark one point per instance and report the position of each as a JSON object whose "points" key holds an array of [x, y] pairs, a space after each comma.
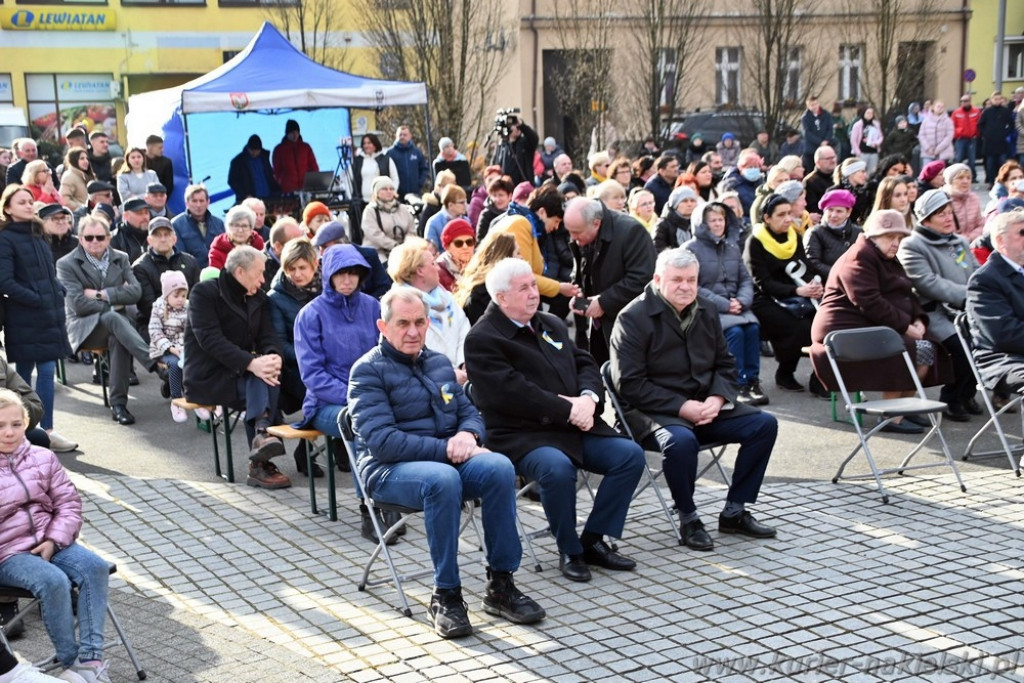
{"points": [[266, 475], [264, 447]]}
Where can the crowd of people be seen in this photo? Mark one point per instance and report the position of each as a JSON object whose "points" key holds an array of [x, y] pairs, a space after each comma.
{"points": [[678, 268]]}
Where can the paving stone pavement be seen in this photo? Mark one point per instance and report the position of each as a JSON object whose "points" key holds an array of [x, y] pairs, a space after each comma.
{"points": [[222, 582]]}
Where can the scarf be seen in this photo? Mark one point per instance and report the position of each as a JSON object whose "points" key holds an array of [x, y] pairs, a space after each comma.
{"points": [[102, 263], [303, 294], [441, 306], [783, 251], [390, 206]]}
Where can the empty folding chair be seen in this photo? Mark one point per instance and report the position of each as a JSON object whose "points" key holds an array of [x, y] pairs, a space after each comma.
{"points": [[715, 450], [964, 334], [385, 534], [878, 344]]}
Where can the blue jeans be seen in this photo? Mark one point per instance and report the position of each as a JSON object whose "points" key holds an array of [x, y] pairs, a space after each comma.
{"points": [[744, 342], [44, 385], [679, 445], [439, 488], [173, 374], [966, 151], [620, 460], [51, 583], [260, 402]]}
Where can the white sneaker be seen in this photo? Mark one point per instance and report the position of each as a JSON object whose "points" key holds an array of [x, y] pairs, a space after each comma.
{"points": [[202, 413], [26, 673], [178, 414], [69, 676], [58, 444], [90, 674]]}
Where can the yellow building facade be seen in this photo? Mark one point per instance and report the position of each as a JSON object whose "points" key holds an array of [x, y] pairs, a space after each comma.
{"points": [[982, 45]]}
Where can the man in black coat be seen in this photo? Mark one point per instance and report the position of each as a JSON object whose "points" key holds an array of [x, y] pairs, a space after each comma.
{"points": [[250, 174], [994, 128], [160, 256], [553, 427], [672, 367], [614, 258], [132, 230], [817, 182], [995, 307], [234, 357]]}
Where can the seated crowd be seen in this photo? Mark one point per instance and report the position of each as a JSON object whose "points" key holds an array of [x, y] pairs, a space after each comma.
{"points": [[520, 288]]}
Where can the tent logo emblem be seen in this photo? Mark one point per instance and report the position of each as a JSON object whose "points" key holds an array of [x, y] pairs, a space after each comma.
{"points": [[239, 100], [380, 97]]}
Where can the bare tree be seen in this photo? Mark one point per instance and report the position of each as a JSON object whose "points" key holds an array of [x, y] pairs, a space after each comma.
{"points": [[776, 59], [459, 48], [664, 40], [312, 24], [896, 34], [585, 88]]}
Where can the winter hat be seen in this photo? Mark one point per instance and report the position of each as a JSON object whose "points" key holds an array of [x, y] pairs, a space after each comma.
{"points": [[329, 232], [901, 119], [1008, 204], [522, 191], [105, 210], [380, 182], [315, 209], [849, 169], [291, 125], [158, 223], [679, 194], [567, 187], [550, 142], [209, 273], [953, 171], [171, 281], [48, 210], [843, 198], [99, 186], [458, 227], [791, 190], [931, 170], [445, 143], [929, 203], [728, 136], [885, 222]]}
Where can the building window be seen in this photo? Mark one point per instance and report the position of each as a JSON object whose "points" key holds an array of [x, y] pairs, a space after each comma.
{"points": [[58, 102], [849, 73], [727, 75], [667, 75], [164, 3], [6, 89], [791, 86], [1013, 61]]}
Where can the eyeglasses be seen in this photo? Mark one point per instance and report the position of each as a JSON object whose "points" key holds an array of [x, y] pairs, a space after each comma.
{"points": [[468, 242], [94, 238], [240, 226]]}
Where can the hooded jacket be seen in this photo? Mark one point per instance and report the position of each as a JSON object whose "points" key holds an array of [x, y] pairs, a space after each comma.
{"points": [[292, 161]]}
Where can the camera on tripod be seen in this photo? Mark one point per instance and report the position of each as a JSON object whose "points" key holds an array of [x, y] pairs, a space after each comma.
{"points": [[505, 119]]}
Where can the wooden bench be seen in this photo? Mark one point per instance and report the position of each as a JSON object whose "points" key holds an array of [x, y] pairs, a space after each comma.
{"points": [[229, 426], [99, 360], [313, 448]]}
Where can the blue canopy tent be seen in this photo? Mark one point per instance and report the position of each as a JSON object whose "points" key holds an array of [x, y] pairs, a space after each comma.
{"points": [[207, 121]]}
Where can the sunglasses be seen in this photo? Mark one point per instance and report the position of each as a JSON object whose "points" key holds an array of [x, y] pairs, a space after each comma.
{"points": [[459, 243], [94, 238]]}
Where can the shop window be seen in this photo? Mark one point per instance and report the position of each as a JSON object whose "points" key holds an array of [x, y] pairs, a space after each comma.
{"points": [[58, 102]]}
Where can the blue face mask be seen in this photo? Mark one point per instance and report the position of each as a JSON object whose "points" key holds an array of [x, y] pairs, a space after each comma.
{"points": [[751, 174]]}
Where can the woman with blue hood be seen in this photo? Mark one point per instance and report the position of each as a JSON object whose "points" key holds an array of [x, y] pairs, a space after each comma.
{"points": [[331, 333]]}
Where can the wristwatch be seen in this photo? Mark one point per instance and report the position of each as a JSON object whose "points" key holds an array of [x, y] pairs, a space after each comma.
{"points": [[591, 395], [99, 295]]}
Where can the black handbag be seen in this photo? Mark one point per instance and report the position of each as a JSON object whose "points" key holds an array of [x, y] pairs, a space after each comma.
{"points": [[799, 307]]}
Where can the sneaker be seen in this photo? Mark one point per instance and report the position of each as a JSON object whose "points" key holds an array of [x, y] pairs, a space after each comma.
{"points": [[58, 444], [178, 414], [503, 599], [70, 676], [744, 395], [203, 414], [757, 395], [8, 610], [26, 673], [448, 612], [265, 475], [90, 673]]}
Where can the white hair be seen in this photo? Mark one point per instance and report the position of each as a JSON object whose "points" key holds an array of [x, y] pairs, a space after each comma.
{"points": [[500, 278], [679, 257]]}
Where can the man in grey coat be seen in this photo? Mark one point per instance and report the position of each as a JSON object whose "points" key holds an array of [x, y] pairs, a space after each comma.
{"points": [[100, 285]]}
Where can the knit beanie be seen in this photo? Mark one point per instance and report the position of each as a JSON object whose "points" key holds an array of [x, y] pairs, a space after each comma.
{"points": [[315, 209], [171, 281], [458, 227]]}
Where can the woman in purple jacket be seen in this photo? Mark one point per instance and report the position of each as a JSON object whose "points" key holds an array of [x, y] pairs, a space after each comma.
{"points": [[40, 518]]}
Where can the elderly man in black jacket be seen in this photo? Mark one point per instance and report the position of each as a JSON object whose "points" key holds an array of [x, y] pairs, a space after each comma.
{"points": [[233, 356], [671, 365], [614, 262], [553, 425]]}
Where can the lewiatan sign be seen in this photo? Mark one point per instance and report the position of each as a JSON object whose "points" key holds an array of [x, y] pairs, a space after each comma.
{"points": [[52, 19]]}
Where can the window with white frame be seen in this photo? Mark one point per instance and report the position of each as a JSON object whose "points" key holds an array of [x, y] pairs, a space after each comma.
{"points": [[791, 87], [1013, 60], [727, 74], [849, 72], [667, 76]]}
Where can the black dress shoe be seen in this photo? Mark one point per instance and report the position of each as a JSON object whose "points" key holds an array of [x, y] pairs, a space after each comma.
{"points": [[573, 567], [919, 420], [818, 389], [133, 379], [788, 383], [599, 554], [121, 415], [972, 407], [956, 413], [694, 536], [903, 427], [745, 525]]}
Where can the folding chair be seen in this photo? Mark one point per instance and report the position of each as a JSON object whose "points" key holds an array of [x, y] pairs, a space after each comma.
{"points": [[715, 450], [385, 534], [963, 333], [876, 344], [31, 602]]}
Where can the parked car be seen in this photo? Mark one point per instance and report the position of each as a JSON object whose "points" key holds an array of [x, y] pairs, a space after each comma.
{"points": [[13, 125], [744, 124]]}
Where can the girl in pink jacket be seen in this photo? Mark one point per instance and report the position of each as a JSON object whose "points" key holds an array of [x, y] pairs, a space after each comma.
{"points": [[40, 518]]}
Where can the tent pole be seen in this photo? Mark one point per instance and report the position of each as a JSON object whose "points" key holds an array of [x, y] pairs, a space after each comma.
{"points": [[188, 149]]}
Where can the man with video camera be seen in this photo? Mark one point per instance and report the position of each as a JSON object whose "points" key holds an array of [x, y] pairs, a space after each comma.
{"points": [[516, 147]]}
